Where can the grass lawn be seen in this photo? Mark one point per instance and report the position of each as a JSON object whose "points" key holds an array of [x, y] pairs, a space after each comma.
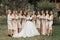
{"points": [[3, 34]]}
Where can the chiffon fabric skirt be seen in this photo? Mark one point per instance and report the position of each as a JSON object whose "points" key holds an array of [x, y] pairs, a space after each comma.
{"points": [[29, 30], [14, 26], [9, 25]]}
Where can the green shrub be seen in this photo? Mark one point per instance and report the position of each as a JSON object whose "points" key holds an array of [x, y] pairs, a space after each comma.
{"points": [[45, 5], [56, 21]]}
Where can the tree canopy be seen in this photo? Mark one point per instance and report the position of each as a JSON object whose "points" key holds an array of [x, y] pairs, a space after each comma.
{"points": [[24, 4]]}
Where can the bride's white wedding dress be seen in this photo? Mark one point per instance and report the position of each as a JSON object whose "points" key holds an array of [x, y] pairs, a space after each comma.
{"points": [[28, 30]]}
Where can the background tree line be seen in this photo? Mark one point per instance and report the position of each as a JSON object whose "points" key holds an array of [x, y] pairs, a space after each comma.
{"points": [[25, 4]]}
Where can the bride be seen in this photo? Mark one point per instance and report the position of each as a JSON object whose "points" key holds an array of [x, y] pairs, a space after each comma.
{"points": [[29, 28]]}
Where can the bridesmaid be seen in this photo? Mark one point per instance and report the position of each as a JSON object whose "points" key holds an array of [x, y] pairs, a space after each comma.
{"points": [[24, 18], [38, 21], [9, 21], [47, 16], [14, 22], [43, 23], [34, 17], [19, 21], [51, 17]]}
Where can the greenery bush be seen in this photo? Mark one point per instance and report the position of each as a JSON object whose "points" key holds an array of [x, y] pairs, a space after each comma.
{"points": [[46, 5], [56, 21]]}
